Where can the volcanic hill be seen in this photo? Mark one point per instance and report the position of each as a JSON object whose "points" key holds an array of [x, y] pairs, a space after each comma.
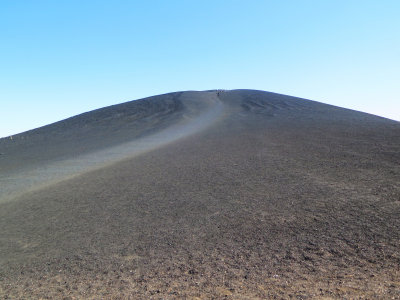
{"points": [[235, 194]]}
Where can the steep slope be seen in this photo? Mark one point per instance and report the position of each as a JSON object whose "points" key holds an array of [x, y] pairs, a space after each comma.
{"points": [[52, 153], [272, 196]]}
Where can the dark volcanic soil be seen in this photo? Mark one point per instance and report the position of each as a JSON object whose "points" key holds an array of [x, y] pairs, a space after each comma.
{"points": [[279, 197]]}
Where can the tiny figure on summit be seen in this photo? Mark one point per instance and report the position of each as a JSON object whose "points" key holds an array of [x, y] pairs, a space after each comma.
{"points": [[219, 92]]}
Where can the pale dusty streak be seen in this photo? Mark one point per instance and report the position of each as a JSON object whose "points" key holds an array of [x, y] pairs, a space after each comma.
{"points": [[13, 185]]}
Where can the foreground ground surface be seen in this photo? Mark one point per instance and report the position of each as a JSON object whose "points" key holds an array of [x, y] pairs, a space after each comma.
{"points": [[277, 197]]}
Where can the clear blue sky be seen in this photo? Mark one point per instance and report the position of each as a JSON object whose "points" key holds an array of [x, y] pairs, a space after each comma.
{"points": [[61, 58]]}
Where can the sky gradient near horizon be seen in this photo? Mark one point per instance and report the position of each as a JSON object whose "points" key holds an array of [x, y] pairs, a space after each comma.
{"points": [[62, 58]]}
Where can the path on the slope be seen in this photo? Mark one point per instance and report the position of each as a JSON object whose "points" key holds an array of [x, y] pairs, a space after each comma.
{"points": [[202, 110]]}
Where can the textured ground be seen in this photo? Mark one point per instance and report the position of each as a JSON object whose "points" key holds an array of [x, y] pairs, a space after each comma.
{"points": [[277, 197]]}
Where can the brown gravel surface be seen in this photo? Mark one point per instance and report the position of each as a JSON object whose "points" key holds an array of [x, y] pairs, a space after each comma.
{"points": [[277, 198]]}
